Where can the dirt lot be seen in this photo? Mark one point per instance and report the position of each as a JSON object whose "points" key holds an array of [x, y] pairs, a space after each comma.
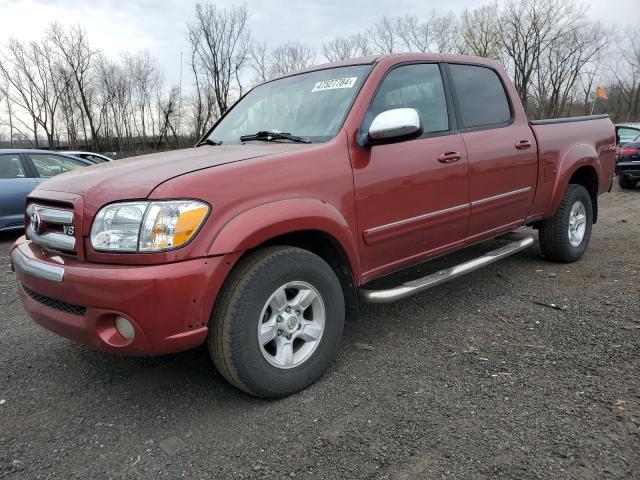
{"points": [[472, 379]]}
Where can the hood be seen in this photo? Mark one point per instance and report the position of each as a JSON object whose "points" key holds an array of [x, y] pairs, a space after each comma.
{"points": [[137, 177]]}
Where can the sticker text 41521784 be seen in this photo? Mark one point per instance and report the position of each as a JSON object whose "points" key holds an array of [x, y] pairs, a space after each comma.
{"points": [[346, 82]]}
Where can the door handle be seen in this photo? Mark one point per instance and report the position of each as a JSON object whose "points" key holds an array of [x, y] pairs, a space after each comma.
{"points": [[449, 157], [523, 144]]}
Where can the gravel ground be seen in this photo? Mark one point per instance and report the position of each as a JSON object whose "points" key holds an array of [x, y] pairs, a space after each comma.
{"points": [[472, 379]]}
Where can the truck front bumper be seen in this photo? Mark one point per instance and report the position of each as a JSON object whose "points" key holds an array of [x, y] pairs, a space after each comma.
{"points": [[168, 305]]}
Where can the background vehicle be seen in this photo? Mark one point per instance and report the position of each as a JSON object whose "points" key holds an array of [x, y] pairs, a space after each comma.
{"points": [[312, 186], [626, 132], [92, 157], [628, 164], [20, 172]]}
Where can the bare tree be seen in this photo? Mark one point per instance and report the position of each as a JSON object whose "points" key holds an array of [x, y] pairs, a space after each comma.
{"points": [[290, 57], [528, 28], [446, 33], [343, 48], [73, 49], [415, 35], [35, 84], [560, 67], [259, 61], [481, 32], [626, 72], [220, 42], [383, 36]]}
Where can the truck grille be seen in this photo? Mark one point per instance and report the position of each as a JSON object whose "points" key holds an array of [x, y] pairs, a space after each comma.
{"points": [[51, 227], [65, 307]]}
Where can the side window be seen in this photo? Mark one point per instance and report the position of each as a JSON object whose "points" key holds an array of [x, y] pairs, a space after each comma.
{"points": [[94, 159], [11, 167], [481, 97], [416, 86], [51, 165]]}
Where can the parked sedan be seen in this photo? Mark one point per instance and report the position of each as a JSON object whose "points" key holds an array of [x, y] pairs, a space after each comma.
{"points": [[628, 164], [20, 172], [92, 157]]}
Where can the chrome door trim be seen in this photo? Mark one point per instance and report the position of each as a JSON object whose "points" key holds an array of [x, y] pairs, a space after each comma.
{"points": [[418, 218], [499, 196]]}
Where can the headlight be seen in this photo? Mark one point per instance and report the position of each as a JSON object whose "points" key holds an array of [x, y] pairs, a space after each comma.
{"points": [[147, 226]]}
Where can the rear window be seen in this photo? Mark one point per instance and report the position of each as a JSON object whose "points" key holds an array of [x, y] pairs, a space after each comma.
{"points": [[481, 97], [627, 135]]}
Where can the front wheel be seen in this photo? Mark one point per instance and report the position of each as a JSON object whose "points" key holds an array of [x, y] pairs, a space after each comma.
{"points": [[565, 236], [278, 322]]}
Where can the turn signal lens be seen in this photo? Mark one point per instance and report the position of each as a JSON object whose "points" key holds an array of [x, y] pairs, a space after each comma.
{"points": [[171, 224]]}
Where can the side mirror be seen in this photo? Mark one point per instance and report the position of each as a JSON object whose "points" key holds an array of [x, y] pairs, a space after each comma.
{"points": [[395, 125]]}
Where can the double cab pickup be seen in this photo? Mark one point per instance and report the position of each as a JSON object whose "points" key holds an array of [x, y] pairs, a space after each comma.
{"points": [[264, 236]]}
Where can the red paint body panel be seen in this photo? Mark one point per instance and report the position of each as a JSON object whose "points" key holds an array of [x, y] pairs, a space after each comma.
{"points": [[387, 207], [562, 151], [168, 304]]}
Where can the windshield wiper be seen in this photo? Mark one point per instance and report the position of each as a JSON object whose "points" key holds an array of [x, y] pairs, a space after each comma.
{"points": [[208, 141], [269, 136]]}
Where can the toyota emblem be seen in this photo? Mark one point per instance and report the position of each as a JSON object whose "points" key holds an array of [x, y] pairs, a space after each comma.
{"points": [[36, 222]]}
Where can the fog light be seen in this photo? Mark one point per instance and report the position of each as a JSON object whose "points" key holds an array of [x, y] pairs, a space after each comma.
{"points": [[125, 328]]}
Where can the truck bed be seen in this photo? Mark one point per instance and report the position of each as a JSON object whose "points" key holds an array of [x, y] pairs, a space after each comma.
{"points": [[562, 144]]}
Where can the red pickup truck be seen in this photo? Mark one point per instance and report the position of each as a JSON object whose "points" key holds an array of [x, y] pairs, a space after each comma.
{"points": [[260, 239]]}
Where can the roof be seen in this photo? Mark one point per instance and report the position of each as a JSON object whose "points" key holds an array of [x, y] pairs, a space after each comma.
{"points": [[629, 125], [30, 150], [391, 56]]}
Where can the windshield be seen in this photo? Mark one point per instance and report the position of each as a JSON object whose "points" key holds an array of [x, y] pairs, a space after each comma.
{"points": [[310, 105]]}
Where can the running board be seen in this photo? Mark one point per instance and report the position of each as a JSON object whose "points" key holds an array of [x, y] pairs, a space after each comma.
{"points": [[517, 242]]}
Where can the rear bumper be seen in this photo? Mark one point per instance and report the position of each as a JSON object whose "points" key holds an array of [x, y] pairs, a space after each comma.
{"points": [[169, 305], [628, 169]]}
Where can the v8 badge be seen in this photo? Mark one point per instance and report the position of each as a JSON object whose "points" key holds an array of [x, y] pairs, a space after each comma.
{"points": [[69, 230]]}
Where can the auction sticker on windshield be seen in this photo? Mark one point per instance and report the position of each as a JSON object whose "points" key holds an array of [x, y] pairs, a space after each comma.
{"points": [[346, 82]]}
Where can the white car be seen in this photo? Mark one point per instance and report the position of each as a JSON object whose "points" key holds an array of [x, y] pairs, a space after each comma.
{"points": [[92, 157]]}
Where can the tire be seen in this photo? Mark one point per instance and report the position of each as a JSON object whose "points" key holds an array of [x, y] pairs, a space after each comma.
{"points": [[555, 235], [251, 299], [626, 184]]}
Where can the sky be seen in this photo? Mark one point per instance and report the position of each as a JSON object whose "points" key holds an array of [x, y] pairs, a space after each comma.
{"points": [[159, 26]]}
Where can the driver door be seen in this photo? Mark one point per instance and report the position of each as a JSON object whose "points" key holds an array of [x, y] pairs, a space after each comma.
{"points": [[412, 197]]}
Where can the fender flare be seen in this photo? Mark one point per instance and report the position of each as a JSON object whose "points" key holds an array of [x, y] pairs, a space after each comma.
{"points": [[261, 223], [578, 156]]}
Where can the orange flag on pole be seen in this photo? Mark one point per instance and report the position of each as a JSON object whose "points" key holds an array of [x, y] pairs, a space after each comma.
{"points": [[601, 92]]}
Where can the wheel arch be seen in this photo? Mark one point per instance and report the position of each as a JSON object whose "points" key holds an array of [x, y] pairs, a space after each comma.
{"points": [[310, 224], [579, 165]]}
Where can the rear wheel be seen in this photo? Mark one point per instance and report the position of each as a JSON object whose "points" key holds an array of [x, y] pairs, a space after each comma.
{"points": [[278, 322], [565, 236], [626, 183]]}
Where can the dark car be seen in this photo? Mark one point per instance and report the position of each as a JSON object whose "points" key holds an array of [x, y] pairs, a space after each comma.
{"points": [[20, 172], [628, 164]]}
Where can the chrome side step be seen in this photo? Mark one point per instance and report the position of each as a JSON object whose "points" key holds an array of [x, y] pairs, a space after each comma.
{"points": [[516, 243]]}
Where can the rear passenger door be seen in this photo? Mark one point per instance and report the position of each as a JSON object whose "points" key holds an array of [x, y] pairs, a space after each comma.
{"points": [[503, 162], [15, 185], [411, 196]]}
